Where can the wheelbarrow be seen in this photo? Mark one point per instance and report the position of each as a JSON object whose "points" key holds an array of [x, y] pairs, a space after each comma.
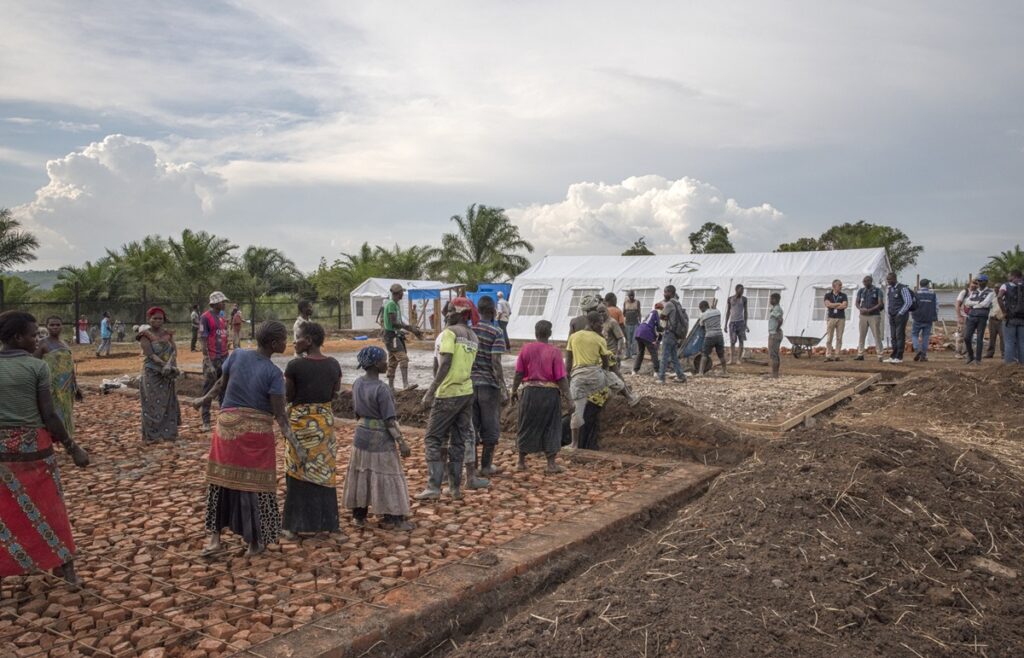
{"points": [[802, 344]]}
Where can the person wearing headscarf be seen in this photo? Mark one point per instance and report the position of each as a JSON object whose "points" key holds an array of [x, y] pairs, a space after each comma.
{"points": [[241, 471], [63, 382], [161, 413], [376, 480], [311, 382]]}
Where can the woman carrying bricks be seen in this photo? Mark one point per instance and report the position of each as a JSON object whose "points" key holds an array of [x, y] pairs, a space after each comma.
{"points": [[539, 367], [242, 467], [375, 476], [35, 533], [311, 382]]}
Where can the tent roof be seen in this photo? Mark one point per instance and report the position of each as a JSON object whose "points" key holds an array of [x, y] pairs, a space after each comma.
{"points": [[379, 286], [825, 263]]}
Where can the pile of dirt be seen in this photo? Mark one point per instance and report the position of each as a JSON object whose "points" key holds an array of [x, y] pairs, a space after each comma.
{"points": [[829, 542], [653, 428]]}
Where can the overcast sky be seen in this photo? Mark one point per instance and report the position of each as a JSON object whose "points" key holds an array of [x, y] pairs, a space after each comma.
{"points": [[315, 126]]}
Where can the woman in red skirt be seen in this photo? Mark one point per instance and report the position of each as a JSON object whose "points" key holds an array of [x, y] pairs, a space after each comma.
{"points": [[35, 533]]}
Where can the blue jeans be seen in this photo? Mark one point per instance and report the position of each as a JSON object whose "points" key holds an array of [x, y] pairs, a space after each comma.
{"points": [[920, 333], [631, 340], [670, 354], [1013, 343]]}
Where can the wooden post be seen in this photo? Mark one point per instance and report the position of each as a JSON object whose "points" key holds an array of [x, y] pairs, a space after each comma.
{"points": [[2, 293], [78, 314]]}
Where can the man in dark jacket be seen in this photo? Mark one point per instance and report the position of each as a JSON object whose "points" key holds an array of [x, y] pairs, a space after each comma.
{"points": [[978, 305], [899, 300], [926, 313]]}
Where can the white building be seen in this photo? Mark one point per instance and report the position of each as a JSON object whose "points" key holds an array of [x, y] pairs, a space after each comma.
{"points": [[421, 303], [552, 288]]}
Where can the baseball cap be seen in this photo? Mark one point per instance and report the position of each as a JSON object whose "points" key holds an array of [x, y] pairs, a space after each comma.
{"points": [[216, 297], [983, 277], [397, 287]]}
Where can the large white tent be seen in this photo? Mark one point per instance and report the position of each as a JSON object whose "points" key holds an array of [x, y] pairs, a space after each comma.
{"points": [[552, 288], [368, 298]]}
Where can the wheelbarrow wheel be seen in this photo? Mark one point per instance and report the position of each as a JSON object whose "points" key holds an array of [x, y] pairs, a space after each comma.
{"points": [[797, 351]]}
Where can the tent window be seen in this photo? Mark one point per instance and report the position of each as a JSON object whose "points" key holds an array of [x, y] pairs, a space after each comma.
{"points": [[534, 301], [577, 296], [359, 309], [691, 298], [375, 305], [819, 313], [757, 302], [646, 298]]}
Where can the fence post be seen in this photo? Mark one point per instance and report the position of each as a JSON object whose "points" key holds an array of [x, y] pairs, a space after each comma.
{"points": [[2, 295], [78, 314], [145, 303], [252, 319]]}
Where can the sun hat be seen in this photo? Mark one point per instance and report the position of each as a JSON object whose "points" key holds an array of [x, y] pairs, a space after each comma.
{"points": [[216, 297]]}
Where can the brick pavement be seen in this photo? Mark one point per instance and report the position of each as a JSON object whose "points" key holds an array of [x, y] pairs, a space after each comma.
{"points": [[137, 517]]}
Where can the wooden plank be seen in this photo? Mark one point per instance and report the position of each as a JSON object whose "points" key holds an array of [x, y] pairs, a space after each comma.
{"points": [[793, 421]]}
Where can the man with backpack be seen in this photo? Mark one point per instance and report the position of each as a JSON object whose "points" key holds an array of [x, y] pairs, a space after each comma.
{"points": [[900, 303], [677, 325], [978, 305], [1011, 301], [925, 316]]}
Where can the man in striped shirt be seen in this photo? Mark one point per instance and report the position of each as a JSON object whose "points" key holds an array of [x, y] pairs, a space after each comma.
{"points": [[899, 302]]}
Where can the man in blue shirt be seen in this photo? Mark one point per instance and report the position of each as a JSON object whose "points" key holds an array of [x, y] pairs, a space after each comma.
{"points": [[899, 302], [106, 334], [926, 313]]}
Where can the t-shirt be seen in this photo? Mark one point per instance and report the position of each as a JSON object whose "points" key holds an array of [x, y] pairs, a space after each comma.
{"points": [[314, 379], [613, 334], [836, 298], [615, 313], [711, 320], [631, 311], [540, 362], [371, 398], [105, 328], [775, 319], [578, 323], [195, 319], [299, 321], [674, 320], [587, 348], [392, 308], [490, 341], [504, 310], [22, 377], [252, 379], [214, 330], [237, 320], [737, 309], [460, 342]]}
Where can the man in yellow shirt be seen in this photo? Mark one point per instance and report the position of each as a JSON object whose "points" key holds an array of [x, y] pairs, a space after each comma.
{"points": [[587, 361], [450, 398]]}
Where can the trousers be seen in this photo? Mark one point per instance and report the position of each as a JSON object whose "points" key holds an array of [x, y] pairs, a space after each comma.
{"points": [[1013, 343], [670, 356], [874, 323], [650, 348], [995, 334], [834, 332], [211, 377], [631, 346], [974, 330], [487, 413], [451, 422], [898, 327], [920, 334]]}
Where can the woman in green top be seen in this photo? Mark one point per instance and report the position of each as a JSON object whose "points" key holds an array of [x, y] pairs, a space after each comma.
{"points": [[63, 384], [34, 529]]}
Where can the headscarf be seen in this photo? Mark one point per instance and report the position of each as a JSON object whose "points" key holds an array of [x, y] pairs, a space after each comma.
{"points": [[369, 356], [153, 310], [589, 303]]}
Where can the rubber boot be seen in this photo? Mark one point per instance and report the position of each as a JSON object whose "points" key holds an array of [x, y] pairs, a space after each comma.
{"points": [[474, 482], [455, 480], [487, 466], [433, 490]]}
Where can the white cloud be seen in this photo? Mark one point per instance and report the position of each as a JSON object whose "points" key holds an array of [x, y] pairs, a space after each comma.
{"points": [[111, 192], [599, 218]]}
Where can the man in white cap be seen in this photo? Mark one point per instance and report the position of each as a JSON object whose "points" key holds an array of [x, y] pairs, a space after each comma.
{"points": [[213, 334], [394, 337]]}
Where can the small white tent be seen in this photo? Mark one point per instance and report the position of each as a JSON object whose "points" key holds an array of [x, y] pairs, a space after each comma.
{"points": [[368, 298], [552, 288]]}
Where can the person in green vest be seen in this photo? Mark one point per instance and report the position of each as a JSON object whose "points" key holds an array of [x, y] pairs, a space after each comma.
{"points": [[394, 337]]}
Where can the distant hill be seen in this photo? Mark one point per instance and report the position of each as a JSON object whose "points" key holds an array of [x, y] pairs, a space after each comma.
{"points": [[42, 279]]}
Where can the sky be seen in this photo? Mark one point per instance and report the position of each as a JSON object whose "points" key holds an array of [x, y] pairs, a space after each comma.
{"points": [[313, 126]]}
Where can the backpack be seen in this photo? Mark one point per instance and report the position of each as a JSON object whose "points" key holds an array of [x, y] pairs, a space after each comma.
{"points": [[913, 299], [1014, 301], [681, 322]]}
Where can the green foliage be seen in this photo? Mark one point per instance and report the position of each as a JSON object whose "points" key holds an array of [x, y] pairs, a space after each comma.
{"points": [[261, 271], [146, 264], [862, 235], [483, 248], [639, 248], [411, 263], [100, 281], [17, 291], [199, 263], [712, 238], [999, 267], [16, 245]]}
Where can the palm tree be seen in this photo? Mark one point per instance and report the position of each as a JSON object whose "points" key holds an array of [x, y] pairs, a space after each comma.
{"points": [[17, 291], [999, 267], [100, 281], [262, 271], [398, 263], [200, 260], [483, 249], [145, 263], [16, 246]]}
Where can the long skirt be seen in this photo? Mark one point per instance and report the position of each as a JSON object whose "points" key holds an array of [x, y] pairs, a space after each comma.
{"points": [[310, 500], [540, 420], [242, 476], [62, 386], [35, 533], [309, 507], [375, 476], [161, 413]]}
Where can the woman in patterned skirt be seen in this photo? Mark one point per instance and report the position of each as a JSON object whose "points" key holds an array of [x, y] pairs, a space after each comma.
{"points": [[375, 476], [35, 533], [311, 382], [242, 468], [63, 384], [161, 413]]}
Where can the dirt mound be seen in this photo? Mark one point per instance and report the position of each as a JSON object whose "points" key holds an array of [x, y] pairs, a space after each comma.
{"points": [[1001, 385], [654, 428], [830, 541]]}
